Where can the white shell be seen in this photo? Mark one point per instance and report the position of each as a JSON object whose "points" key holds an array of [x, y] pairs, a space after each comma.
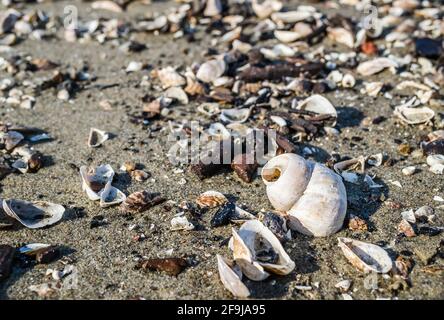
{"points": [[348, 81], [111, 196], [366, 257], [218, 131], [287, 36], [313, 195], [169, 77], [368, 68], [134, 66], [33, 248], [414, 115], [235, 115], [208, 108], [98, 176], [211, 70], [181, 223], [176, 93], [435, 159], [342, 36], [97, 137], [266, 8], [319, 104], [11, 139], [33, 215], [156, 24], [231, 279], [245, 254], [408, 171], [290, 16]]}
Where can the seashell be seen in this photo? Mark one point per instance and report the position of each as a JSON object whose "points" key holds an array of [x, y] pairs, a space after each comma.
{"points": [[156, 24], [139, 175], [414, 115], [348, 81], [351, 164], [209, 108], [140, 201], [94, 180], [194, 87], [266, 8], [106, 5], [212, 8], [257, 251], [406, 229], [408, 171], [240, 46], [342, 36], [319, 104], [223, 215], [287, 36], [343, 285], [170, 78], [211, 70], [375, 159], [223, 82], [366, 257], [219, 131], [371, 67], [278, 51], [232, 35], [435, 135], [238, 129], [8, 19], [373, 88], [134, 66], [33, 215], [240, 215], [10, 139], [128, 166], [435, 159], [230, 279], [32, 249], [31, 160], [97, 137], [111, 196], [313, 195], [211, 199], [181, 223], [437, 168], [176, 93], [235, 115], [409, 216], [281, 122], [290, 17]]}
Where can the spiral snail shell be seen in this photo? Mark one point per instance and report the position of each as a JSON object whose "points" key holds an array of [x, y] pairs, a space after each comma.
{"points": [[313, 196]]}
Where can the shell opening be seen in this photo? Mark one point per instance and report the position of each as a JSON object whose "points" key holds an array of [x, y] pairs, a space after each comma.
{"points": [[271, 175]]}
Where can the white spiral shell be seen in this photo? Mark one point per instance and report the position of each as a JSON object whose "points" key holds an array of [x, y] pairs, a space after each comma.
{"points": [[313, 195]]}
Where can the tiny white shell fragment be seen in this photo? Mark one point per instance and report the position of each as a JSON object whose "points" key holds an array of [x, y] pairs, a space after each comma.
{"points": [[409, 216], [181, 223], [348, 81], [134, 66], [343, 285], [266, 8], [366, 257], [230, 279], [33, 215], [342, 36], [169, 77], [375, 159], [371, 67], [435, 159], [97, 137], [408, 171]]}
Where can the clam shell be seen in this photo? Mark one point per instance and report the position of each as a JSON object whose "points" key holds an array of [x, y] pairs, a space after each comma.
{"points": [[342, 36], [235, 115], [106, 5], [230, 279], [368, 68], [176, 93], [435, 159], [111, 196], [211, 199], [32, 249], [140, 201], [211, 70], [319, 104], [169, 77], [366, 257], [94, 180], [33, 215], [10, 139], [414, 115], [244, 248], [97, 137], [287, 36]]}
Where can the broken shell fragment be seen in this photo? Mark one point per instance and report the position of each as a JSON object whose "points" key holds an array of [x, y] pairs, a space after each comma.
{"points": [[235, 115], [313, 195], [211, 70], [169, 77], [366, 257], [111, 196], [211, 199], [140, 201], [181, 223], [97, 138], [33, 215], [212, 8], [245, 166], [318, 104], [414, 115], [10, 139], [171, 266], [342, 36], [278, 225], [406, 228], [256, 249], [231, 279], [94, 180], [266, 8], [374, 66]]}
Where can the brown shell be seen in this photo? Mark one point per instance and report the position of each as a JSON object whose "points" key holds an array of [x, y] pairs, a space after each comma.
{"points": [[140, 201], [211, 199]]}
